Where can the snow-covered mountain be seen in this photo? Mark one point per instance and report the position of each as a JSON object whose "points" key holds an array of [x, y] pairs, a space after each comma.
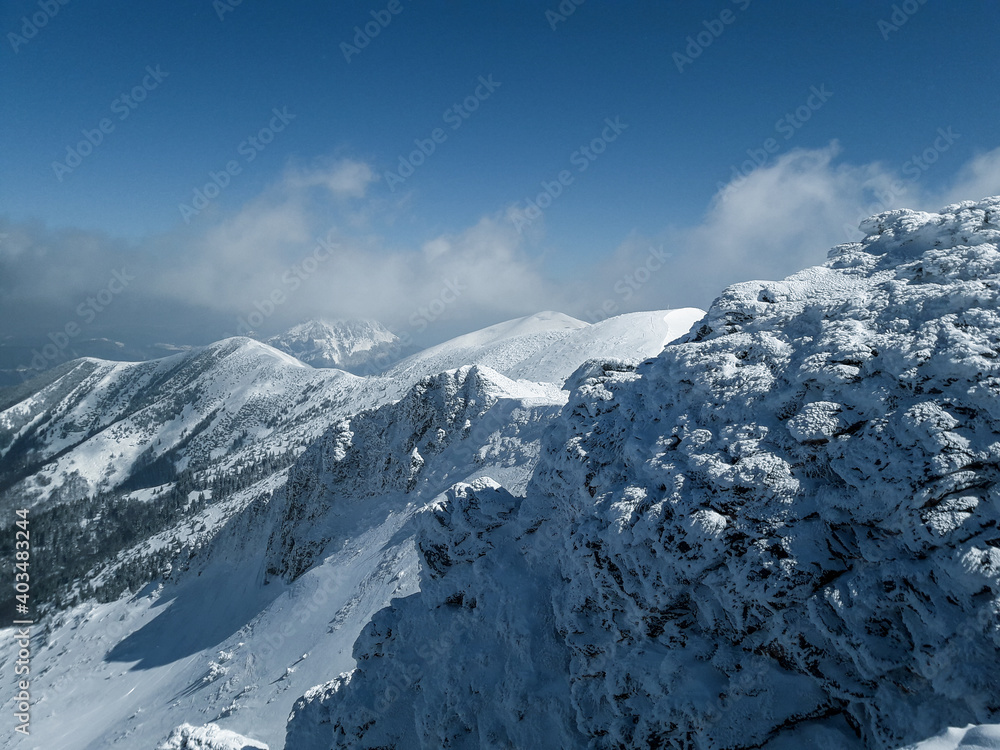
{"points": [[549, 346], [92, 425], [352, 345], [779, 531], [22, 360], [190, 501], [271, 603]]}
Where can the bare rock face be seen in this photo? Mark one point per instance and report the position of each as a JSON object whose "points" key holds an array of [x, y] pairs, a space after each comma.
{"points": [[782, 531]]}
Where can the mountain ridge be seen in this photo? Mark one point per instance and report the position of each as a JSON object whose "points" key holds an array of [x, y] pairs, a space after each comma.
{"points": [[704, 543], [780, 529]]}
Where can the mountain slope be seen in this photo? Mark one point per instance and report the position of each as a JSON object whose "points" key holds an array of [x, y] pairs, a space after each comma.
{"points": [[273, 600], [184, 506], [780, 532], [631, 336], [548, 347], [160, 453], [498, 347], [388, 451], [103, 422]]}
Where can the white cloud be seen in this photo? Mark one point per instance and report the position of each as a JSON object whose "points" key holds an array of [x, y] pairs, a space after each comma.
{"points": [[267, 252], [779, 219], [977, 179], [346, 178], [782, 217]]}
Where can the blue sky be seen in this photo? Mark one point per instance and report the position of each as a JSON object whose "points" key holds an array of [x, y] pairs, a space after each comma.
{"points": [[810, 113]]}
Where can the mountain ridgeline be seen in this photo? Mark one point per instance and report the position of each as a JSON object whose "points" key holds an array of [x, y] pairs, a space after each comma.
{"points": [[775, 524]]}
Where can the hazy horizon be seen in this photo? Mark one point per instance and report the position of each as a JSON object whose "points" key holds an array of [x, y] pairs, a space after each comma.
{"points": [[440, 169]]}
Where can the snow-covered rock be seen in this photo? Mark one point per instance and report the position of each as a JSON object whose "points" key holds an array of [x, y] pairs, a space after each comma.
{"points": [[780, 532], [499, 640], [208, 737], [446, 424], [983, 737]]}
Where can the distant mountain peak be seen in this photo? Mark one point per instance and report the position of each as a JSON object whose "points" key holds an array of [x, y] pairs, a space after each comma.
{"points": [[344, 344]]}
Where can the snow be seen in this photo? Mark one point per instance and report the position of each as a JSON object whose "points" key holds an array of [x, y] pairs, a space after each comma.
{"points": [[500, 347], [208, 737], [139, 665], [548, 347], [633, 336], [776, 529], [148, 494], [985, 737]]}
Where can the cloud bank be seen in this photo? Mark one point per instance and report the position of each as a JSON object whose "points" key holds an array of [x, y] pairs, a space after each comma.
{"points": [[310, 246]]}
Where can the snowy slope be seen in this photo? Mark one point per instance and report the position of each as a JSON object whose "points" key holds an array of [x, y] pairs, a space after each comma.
{"points": [[548, 347], [781, 532], [231, 641], [632, 336], [498, 347], [351, 345], [321, 539], [88, 443], [94, 427]]}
